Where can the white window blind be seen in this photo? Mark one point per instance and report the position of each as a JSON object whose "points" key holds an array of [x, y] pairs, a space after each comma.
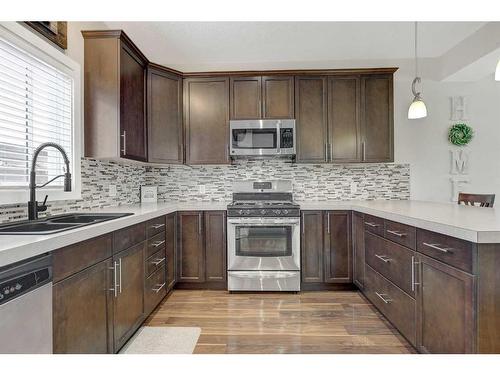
{"points": [[35, 107]]}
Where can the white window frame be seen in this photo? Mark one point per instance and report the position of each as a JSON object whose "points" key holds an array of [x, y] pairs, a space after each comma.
{"points": [[35, 45]]}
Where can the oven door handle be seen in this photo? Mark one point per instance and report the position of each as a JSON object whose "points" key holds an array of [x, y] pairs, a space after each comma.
{"points": [[263, 222]]}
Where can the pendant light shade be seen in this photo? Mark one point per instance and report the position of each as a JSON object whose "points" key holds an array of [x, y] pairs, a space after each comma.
{"points": [[497, 73], [417, 107]]}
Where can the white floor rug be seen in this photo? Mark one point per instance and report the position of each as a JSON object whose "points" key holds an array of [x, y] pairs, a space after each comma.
{"points": [[163, 340]]}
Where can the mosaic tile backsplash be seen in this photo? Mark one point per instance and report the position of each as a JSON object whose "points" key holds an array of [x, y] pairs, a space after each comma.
{"points": [[181, 183]]}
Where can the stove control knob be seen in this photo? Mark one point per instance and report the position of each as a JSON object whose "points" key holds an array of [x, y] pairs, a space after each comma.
{"points": [[240, 212], [277, 212], [263, 212], [247, 212], [285, 212]]}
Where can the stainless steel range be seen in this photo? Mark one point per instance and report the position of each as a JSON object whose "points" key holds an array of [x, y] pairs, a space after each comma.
{"points": [[263, 237]]}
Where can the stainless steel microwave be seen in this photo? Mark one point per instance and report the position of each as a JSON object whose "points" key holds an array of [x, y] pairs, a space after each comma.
{"points": [[262, 138]]}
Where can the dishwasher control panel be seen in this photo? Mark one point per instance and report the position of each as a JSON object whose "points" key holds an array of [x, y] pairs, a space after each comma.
{"points": [[23, 283]]}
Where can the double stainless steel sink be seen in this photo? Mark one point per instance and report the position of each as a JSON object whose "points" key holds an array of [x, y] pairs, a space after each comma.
{"points": [[58, 223]]}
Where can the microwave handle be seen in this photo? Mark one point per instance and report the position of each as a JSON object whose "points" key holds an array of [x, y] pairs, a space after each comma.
{"points": [[278, 136]]}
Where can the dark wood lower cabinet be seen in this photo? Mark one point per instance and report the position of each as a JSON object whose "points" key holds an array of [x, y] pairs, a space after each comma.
{"points": [[215, 246], [129, 300], [338, 253], [170, 246], [358, 249], [82, 311], [190, 262], [312, 247], [445, 308]]}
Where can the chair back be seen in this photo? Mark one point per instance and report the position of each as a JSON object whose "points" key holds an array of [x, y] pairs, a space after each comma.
{"points": [[481, 200]]}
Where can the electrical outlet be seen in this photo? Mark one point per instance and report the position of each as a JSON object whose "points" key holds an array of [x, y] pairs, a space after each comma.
{"points": [[201, 189], [354, 187], [112, 190]]}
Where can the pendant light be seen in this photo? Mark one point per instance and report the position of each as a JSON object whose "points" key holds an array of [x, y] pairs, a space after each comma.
{"points": [[417, 107], [497, 73]]}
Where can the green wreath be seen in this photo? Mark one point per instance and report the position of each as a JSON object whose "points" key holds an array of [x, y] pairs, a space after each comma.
{"points": [[460, 134]]}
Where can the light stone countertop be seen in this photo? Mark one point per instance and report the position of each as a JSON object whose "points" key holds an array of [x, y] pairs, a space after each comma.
{"points": [[475, 224]]}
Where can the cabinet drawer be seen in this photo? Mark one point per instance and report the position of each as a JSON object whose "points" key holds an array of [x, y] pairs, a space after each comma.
{"points": [[374, 224], [393, 261], [127, 237], [401, 233], [155, 243], [155, 261], [72, 259], [396, 305], [154, 289], [155, 226], [449, 250]]}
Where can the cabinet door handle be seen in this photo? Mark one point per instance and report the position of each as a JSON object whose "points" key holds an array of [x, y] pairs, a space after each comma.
{"points": [[158, 243], [331, 151], [363, 148], [370, 224], [199, 223], [399, 234], [120, 264], [413, 281], [158, 261], [383, 258], [436, 246], [124, 137], [158, 288], [383, 298], [328, 223], [115, 285], [157, 226], [326, 151]]}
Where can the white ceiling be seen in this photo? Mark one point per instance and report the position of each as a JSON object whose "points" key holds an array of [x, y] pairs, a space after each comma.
{"points": [[201, 46]]}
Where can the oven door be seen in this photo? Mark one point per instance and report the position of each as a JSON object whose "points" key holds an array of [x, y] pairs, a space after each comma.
{"points": [[257, 137], [263, 244]]}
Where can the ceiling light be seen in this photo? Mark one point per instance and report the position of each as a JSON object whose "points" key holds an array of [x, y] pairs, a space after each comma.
{"points": [[417, 107]]}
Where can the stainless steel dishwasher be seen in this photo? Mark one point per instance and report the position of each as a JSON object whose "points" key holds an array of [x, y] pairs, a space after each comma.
{"points": [[26, 307]]}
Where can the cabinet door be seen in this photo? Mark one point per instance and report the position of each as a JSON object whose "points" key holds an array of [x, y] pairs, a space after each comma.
{"points": [[338, 268], [129, 302], [164, 117], [170, 245], [445, 310], [343, 119], [358, 246], [215, 245], [132, 105], [312, 247], [311, 115], [191, 262], [245, 98], [278, 97], [207, 120], [377, 118], [82, 306]]}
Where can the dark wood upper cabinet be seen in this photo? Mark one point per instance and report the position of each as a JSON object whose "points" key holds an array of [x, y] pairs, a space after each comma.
{"points": [[278, 97], [377, 118], [164, 98], [129, 300], [311, 118], [191, 262], [358, 249], [312, 247], [206, 116], [445, 308], [215, 246], [115, 96], [170, 246], [245, 98], [338, 257], [82, 305], [343, 119]]}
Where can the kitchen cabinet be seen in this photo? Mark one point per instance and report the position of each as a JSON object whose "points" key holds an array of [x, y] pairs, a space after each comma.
{"points": [[358, 249], [201, 247], [155, 265], [377, 116], [164, 100], [445, 308], [206, 120], [170, 246], [326, 247], [128, 277], [311, 112], [82, 311], [262, 97], [115, 96]]}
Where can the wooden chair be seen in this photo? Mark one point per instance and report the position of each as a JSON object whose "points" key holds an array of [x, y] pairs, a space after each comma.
{"points": [[481, 200]]}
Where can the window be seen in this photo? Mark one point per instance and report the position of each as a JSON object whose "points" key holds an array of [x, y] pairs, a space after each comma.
{"points": [[35, 107]]}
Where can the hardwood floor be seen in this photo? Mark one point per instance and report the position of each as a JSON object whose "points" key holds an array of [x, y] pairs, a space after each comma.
{"points": [[275, 323]]}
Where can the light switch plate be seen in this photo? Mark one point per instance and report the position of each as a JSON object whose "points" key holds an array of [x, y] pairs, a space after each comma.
{"points": [[149, 194], [112, 190], [201, 189]]}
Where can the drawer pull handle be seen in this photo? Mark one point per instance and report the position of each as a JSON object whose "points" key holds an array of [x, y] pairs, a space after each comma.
{"points": [[158, 243], [383, 297], [435, 246], [157, 226], [383, 258], [373, 225], [158, 288], [399, 234], [157, 261]]}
